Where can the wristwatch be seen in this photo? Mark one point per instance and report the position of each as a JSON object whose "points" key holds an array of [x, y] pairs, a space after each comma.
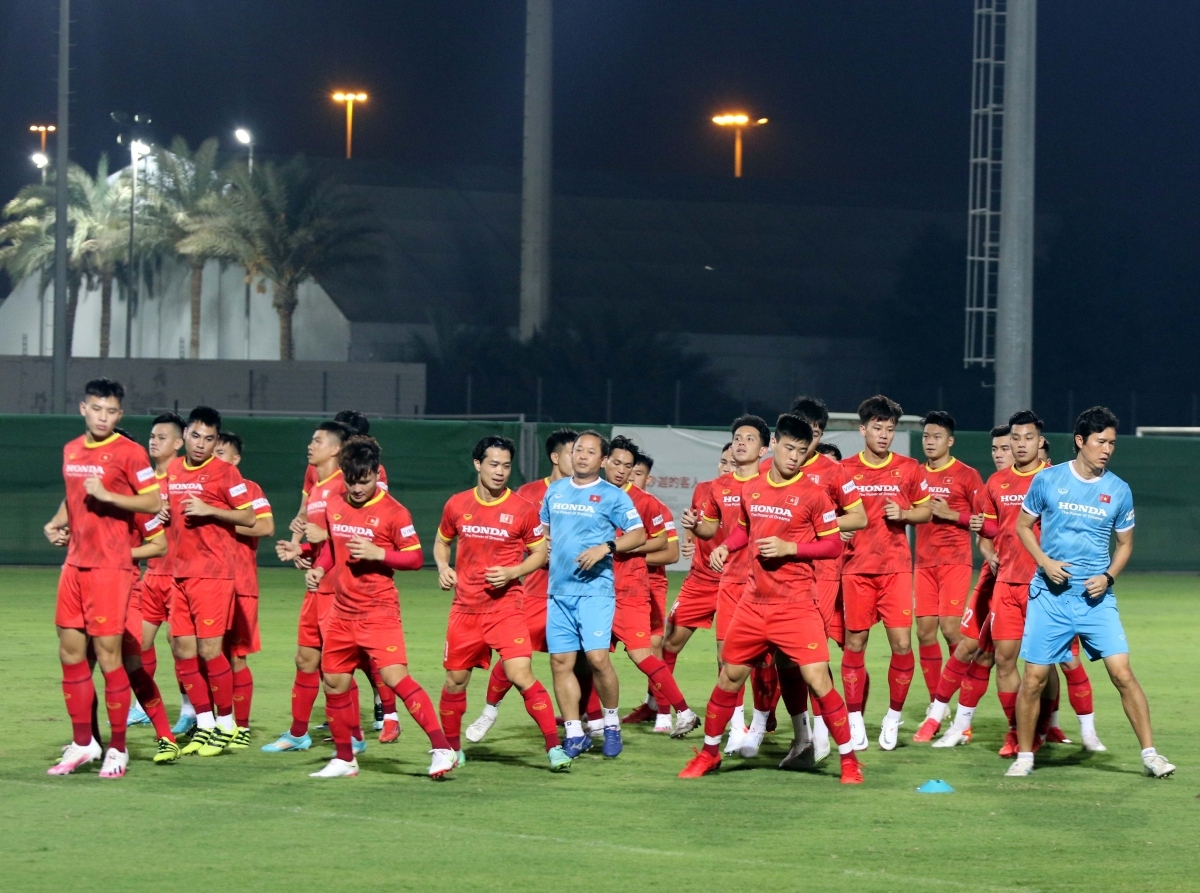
{"points": [[1109, 577], [612, 547]]}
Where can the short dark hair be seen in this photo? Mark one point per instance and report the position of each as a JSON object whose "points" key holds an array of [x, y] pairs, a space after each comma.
{"points": [[340, 430], [1095, 421], [228, 438], [621, 442], [605, 446], [727, 446], [105, 387], [493, 442], [813, 410], [830, 449], [644, 459], [558, 439], [1002, 431], [879, 409], [793, 427], [205, 415], [359, 458], [354, 420], [170, 418], [1025, 417], [1046, 446], [939, 418], [755, 422]]}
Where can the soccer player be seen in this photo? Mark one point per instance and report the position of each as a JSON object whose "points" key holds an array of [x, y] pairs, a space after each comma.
{"points": [[369, 536], [1080, 505], [494, 528], [943, 573], [721, 512], [877, 574], [558, 451], [108, 479], [786, 521], [206, 500], [582, 515], [243, 639]]}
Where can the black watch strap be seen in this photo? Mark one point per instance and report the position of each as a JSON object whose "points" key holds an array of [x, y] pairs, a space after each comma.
{"points": [[612, 547], [1109, 577]]}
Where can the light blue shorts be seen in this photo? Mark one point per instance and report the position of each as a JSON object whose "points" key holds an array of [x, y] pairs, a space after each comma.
{"points": [[579, 622], [1054, 619]]}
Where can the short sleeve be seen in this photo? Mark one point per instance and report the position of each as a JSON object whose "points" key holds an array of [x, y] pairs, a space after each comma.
{"points": [[138, 470], [668, 523], [404, 532], [150, 526], [544, 511], [847, 491], [1035, 500], [986, 504], [234, 491], [448, 528], [710, 508], [623, 514], [1124, 516], [918, 486], [533, 531], [260, 503], [824, 516], [654, 520]]}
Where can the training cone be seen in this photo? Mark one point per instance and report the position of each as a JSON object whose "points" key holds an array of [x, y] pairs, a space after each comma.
{"points": [[935, 786]]}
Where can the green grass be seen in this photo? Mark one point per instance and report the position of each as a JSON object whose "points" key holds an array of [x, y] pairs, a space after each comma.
{"points": [[257, 822]]}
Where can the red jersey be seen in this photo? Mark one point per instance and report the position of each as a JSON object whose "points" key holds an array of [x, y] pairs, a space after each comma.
{"points": [[1001, 500], [700, 566], [203, 547], [245, 549], [941, 541], [317, 496], [630, 574], [490, 534], [724, 504], [160, 567], [660, 570], [537, 584], [797, 511], [101, 532], [832, 477], [882, 546], [366, 587], [147, 527]]}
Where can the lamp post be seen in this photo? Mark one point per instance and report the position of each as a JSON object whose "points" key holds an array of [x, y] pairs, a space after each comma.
{"points": [[42, 130], [137, 150], [246, 138], [349, 99], [41, 161], [739, 121]]}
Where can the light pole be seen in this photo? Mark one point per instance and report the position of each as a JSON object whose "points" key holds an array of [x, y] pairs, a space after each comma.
{"points": [[739, 121], [41, 130], [41, 161], [349, 99], [246, 138], [137, 149]]}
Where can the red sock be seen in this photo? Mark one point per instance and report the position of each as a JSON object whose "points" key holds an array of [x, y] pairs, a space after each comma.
{"points": [[220, 683], [900, 673], [1008, 703], [974, 685], [498, 684], [537, 705], [243, 694], [721, 705], [854, 677], [662, 684], [452, 707], [80, 696], [387, 697], [340, 709], [117, 698], [356, 728], [188, 671], [595, 710], [304, 695], [866, 685], [150, 698], [793, 689], [420, 707], [837, 718], [931, 667], [149, 662], [1079, 690], [951, 679], [764, 686]]}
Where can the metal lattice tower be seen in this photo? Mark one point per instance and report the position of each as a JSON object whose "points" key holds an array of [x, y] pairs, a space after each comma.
{"points": [[983, 215]]}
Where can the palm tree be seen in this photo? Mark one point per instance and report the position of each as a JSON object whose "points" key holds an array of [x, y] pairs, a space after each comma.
{"points": [[185, 181], [285, 223], [104, 220]]}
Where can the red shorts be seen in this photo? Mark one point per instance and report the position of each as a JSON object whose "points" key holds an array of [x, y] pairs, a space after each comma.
{"points": [[380, 635], [535, 621], [696, 604], [870, 598], [1008, 611], [471, 638], [131, 638], [156, 598], [313, 612], [658, 605], [631, 623], [201, 607], [243, 634], [728, 597], [94, 599], [795, 628], [829, 603], [979, 606], [942, 590]]}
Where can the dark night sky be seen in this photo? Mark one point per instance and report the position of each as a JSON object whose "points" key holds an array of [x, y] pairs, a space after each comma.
{"points": [[869, 91]]}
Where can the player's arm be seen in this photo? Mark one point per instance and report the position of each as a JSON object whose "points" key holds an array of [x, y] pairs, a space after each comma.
{"points": [[626, 542], [264, 525], [499, 576], [853, 517], [988, 550], [146, 503], [56, 527], [301, 519], [441, 557], [1121, 555], [195, 507], [701, 525], [826, 545], [666, 556], [653, 544], [1055, 571], [153, 547]]}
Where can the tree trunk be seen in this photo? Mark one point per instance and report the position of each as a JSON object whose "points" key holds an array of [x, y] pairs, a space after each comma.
{"points": [[196, 283], [285, 305], [106, 287], [73, 287]]}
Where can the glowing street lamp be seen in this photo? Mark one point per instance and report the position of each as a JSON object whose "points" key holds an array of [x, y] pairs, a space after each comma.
{"points": [[41, 161], [41, 130], [739, 121], [349, 99], [246, 138]]}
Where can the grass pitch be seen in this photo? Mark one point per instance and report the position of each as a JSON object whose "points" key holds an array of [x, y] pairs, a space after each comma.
{"points": [[255, 821]]}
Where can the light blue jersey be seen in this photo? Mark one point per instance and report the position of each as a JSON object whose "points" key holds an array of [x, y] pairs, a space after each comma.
{"points": [[578, 518]]}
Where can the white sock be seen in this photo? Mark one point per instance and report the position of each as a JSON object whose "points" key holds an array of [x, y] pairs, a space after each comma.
{"points": [[855, 716], [491, 711], [937, 710], [662, 721], [378, 700], [714, 742], [651, 702], [738, 723], [800, 727], [595, 725], [820, 731], [962, 719], [846, 748], [611, 720], [1087, 725], [894, 715], [1146, 754], [1054, 719], [206, 720], [1025, 756], [759, 723], [394, 717], [185, 706], [225, 723], [574, 728]]}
